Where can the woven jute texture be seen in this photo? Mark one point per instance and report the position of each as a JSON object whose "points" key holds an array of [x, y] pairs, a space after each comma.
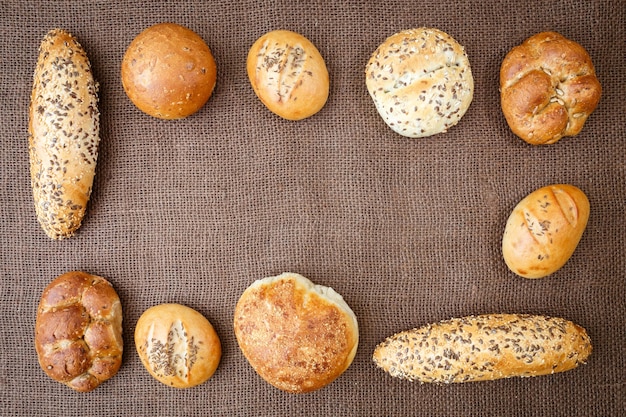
{"points": [[408, 230]]}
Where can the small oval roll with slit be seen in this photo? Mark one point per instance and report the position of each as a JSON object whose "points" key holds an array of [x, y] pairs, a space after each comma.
{"points": [[485, 347], [64, 134], [544, 229]]}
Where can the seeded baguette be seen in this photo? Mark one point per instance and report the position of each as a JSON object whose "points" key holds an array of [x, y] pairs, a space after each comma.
{"points": [[485, 347], [63, 134]]}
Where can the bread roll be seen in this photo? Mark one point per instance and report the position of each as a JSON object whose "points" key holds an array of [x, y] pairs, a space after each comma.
{"points": [[64, 133], [177, 345], [421, 82], [288, 74], [297, 336], [544, 229], [548, 88], [78, 331], [168, 71], [487, 347]]}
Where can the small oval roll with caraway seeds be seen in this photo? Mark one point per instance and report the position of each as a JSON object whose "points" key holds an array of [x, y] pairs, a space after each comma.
{"points": [[485, 347], [544, 229], [177, 345], [288, 74], [64, 133]]}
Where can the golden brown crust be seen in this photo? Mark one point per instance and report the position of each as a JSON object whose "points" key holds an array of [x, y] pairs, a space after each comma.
{"points": [[78, 331], [486, 347], [168, 71], [548, 88], [544, 229], [63, 134], [420, 81], [288, 74], [297, 336], [177, 345]]}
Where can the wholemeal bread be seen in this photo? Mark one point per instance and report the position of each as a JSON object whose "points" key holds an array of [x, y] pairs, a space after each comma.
{"points": [[421, 82], [297, 336], [548, 88], [177, 345], [544, 229], [288, 74], [168, 71], [486, 347], [78, 331], [64, 133]]}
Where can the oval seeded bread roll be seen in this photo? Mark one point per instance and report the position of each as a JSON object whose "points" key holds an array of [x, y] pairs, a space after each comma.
{"points": [[543, 230], [168, 71], [486, 347], [78, 331], [177, 345], [548, 88], [288, 74], [421, 82], [64, 133], [297, 336]]}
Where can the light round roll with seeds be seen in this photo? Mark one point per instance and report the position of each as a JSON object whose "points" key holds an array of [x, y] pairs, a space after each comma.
{"points": [[298, 336], [485, 347], [288, 74], [421, 82], [177, 345], [64, 133]]}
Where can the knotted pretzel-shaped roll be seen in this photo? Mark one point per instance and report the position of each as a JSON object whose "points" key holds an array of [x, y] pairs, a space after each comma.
{"points": [[548, 88], [78, 332]]}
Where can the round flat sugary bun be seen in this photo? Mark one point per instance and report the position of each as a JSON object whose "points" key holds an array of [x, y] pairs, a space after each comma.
{"points": [[168, 71], [297, 336], [177, 345], [421, 82]]}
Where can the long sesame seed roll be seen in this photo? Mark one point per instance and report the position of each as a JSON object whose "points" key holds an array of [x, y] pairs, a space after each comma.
{"points": [[63, 134], [485, 347]]}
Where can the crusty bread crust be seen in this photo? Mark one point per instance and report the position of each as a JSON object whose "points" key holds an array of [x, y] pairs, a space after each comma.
{"points": [[486, 347], [421, 82], [297, 336], [63, 134], [548, 88], [78, 331], [544, 229]]}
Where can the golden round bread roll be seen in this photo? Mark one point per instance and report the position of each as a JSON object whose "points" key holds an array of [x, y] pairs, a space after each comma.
{"points": [[297, 336], [177, 345], [484, 348], [544, 229], [288, 74], [420, 81], [78, 331], [548, 88], [168, 71]]}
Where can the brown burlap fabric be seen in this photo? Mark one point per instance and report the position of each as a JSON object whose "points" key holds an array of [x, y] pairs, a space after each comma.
{"points": [[407, 230]]}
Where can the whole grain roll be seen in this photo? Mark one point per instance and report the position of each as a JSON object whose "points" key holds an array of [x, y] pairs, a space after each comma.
{"points": [[485, 347], [298, 336], [420, 81], [64, 134], [78, 331]]}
